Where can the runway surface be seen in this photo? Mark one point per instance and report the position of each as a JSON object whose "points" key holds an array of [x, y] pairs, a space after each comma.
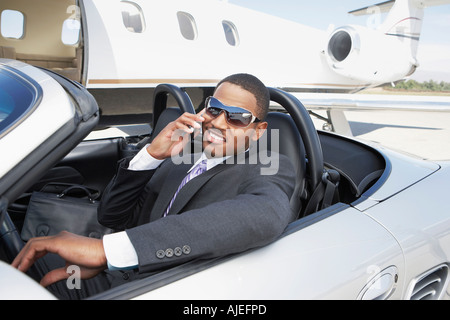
{"points": [[424, 134]]}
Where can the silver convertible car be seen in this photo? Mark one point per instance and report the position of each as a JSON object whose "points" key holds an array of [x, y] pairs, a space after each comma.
{"points": [[372, 223]]}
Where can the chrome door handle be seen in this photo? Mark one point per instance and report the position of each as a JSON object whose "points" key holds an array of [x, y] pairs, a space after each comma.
{"points": [[381, 286]]}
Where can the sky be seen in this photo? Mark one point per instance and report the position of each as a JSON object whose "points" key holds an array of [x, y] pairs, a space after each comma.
{"points": [[434, 46]]}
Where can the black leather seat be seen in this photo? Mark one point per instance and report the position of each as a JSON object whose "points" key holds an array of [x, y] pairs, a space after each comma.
{"points": [[283, 137], [162, 115], [167, 115]]}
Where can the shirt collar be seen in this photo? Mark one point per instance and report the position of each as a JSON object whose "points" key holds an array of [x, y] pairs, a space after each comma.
{"points": [[210, 162]]}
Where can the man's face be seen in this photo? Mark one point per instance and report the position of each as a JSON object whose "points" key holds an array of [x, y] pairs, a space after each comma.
{"points": [[222, 139]]}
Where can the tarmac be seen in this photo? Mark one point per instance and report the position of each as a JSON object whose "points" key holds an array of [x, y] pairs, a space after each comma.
{"points": [[423, 134]]}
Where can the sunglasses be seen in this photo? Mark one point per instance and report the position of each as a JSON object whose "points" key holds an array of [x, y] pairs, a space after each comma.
{"points": [[235, 116]]}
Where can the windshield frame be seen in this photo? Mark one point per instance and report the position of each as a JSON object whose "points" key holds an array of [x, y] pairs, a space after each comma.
{"points": [[24, 106]]}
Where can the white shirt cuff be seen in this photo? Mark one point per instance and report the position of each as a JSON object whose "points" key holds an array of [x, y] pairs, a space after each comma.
{"points": [[143, 161], [119, 251]]}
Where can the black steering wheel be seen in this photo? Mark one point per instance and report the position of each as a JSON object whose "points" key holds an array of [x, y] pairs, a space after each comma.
{"points": [[9, 236]]}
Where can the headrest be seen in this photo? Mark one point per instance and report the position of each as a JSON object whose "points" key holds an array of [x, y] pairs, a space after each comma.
{"points": [[168, 115], [283, 137]]}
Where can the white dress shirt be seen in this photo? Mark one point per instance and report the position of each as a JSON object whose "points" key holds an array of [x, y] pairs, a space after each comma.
{"points": [[119, 250]]}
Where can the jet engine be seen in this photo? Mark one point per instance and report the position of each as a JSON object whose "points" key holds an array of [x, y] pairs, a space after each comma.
{"points": [[368, 55]]}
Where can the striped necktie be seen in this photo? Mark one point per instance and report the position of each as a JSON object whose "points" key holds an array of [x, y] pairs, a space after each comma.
{"points": [[197, 170]]}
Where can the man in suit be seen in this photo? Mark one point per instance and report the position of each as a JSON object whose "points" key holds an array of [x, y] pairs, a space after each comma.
{"points": [[229, 208]]}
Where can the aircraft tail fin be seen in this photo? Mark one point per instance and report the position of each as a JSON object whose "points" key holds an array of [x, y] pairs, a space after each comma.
{"points": [[404, 18]]}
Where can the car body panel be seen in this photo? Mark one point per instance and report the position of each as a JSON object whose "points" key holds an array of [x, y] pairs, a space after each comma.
{"points": [[54, 111], [420, 221], [404, 172], [19, 286], [331, 259]]}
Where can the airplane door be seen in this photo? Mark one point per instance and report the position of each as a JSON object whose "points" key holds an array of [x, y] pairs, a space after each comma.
{"points": [[44, 33]]}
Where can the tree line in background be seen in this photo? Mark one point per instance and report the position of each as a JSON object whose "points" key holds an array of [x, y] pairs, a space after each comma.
{"points": [[413, 85]]}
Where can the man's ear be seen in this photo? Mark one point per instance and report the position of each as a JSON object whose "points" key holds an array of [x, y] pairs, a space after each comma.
{"points": [[260, 129]]}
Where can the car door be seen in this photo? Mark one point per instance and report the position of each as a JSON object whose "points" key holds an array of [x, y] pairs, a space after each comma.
{"points": [[44, 116], [336, 253]]}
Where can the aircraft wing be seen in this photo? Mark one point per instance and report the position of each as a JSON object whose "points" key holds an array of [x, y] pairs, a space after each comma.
{"points": [[325, 101], [335, 104]]}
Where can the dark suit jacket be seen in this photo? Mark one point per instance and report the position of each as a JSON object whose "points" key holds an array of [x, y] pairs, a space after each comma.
{"points": [[228, 209]]}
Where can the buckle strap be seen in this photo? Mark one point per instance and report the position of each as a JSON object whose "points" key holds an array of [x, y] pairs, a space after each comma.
{"points": [[324, 193]]}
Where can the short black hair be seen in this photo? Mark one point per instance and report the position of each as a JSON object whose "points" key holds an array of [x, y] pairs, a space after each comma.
{"points": [[253, 85]]}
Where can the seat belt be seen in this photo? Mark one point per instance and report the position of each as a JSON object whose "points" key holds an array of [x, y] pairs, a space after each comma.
{"points": [[325, 192]]}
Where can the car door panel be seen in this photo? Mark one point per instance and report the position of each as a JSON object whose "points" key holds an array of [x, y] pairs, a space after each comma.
{"points": [[420, 221], [335, 257]]}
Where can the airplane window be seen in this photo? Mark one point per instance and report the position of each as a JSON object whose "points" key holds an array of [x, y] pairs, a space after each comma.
{"points": [[231, 33], [70, 34], [133, 17], [12, 24], [187, 25]]}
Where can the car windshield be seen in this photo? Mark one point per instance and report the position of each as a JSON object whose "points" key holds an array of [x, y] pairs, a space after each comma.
{"points": [[16, 99]]}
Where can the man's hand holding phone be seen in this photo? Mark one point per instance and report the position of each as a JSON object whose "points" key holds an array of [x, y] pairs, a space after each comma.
{"points": [[171, 140]]}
